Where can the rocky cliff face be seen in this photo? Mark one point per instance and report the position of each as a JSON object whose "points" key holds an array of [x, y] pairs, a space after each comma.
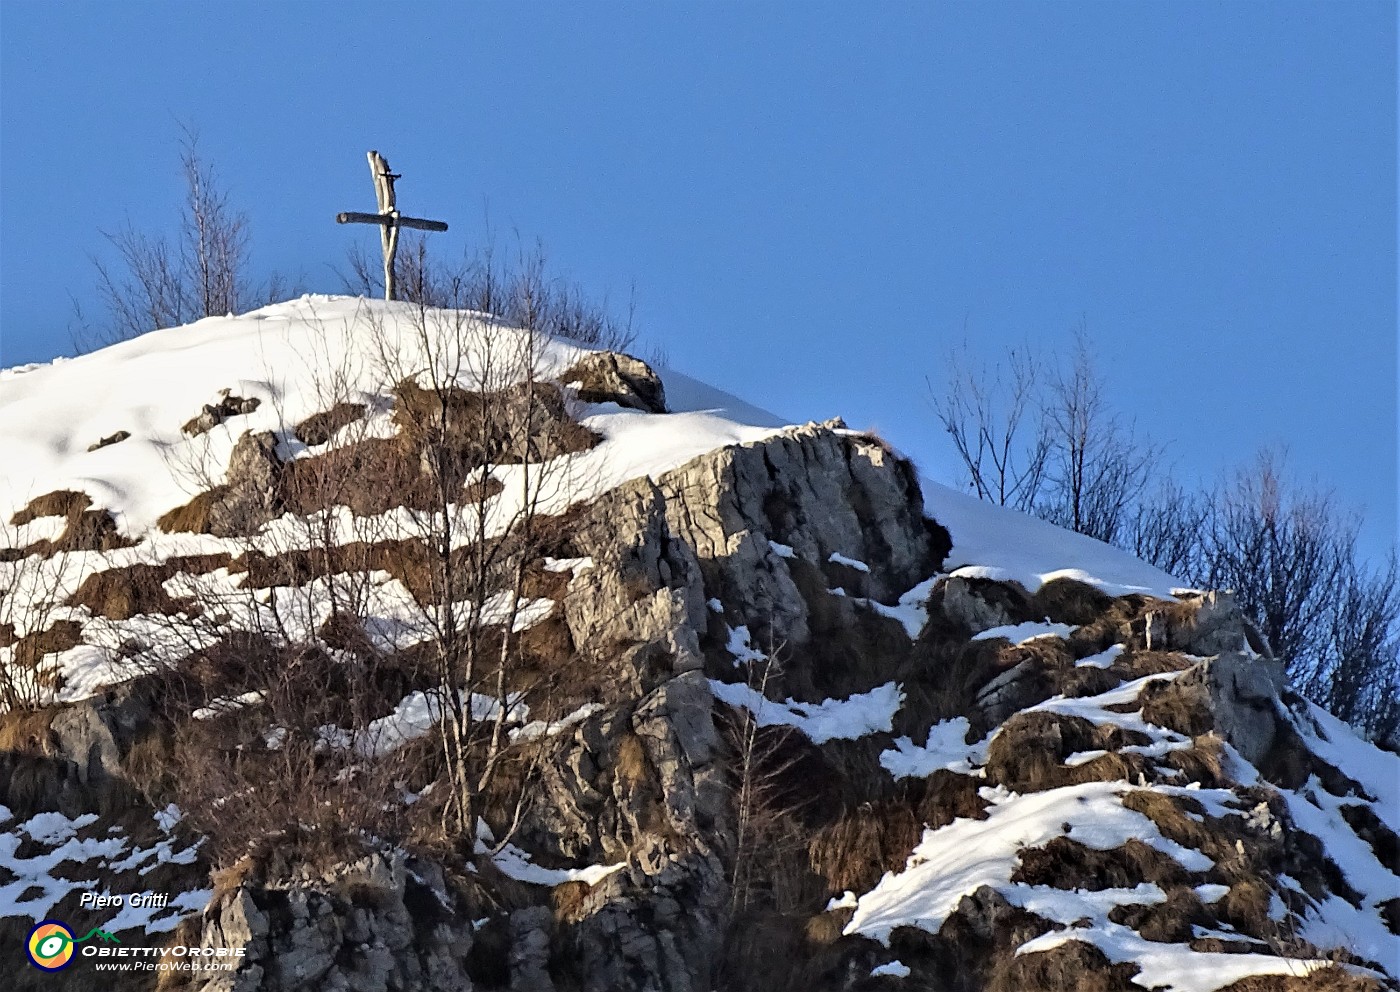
{"points": [[801, 746]]}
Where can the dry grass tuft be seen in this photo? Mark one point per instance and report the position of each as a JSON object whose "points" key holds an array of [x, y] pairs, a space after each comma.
{"points": [[87, 529], [862, 845], [946, 796], [1202, 762], [122, 593], [1169, 922], [1183, 708], [1138, 664], [193, 517], [59, 503], [826, 928], [1246, 906], [318, 428], [27, 731], [1069, 601], [1329, 979], [1170, 815], [573, 901], [59, 636], [632, 768], [486, 427], [1073, 966], [1028, 754], [1067, 864]]}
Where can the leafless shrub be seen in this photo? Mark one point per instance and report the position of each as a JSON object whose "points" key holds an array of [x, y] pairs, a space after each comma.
{"points": [[1099, 467], [158, 281], [34, 583], [1168, 528], [1289, 552], [479, 552], [997, 426], [764, 801], [520, 291]]}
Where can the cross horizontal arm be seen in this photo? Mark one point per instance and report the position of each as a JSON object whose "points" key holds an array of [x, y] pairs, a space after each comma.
{"points": [[388, 220]]}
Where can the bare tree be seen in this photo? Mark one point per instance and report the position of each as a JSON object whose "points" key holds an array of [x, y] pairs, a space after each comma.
{"points": [[1362, 682], [1059, 450], [1290, 553], [521, 292], [41, 566], [1170, 529], [998, 427], [157, 281], [1046, 443], [494, 439], [1283, 552], [764, 800], [1099, 467], [33, 585], [213, 237]]}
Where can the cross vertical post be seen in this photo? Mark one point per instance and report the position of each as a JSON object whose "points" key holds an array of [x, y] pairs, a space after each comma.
{"points": [[388, 218]]}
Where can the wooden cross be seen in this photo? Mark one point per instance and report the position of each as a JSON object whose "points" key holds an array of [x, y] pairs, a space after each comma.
{"points": [[389, 219]]}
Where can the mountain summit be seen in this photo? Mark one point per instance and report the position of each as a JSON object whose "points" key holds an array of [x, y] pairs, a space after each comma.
{"points": [[358, 645]]}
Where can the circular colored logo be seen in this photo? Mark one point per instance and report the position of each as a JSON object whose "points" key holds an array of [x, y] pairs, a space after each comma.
{"points": [[50, 946]]}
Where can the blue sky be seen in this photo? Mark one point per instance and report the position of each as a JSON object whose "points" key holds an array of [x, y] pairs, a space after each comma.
{"points": [[814, 201]]}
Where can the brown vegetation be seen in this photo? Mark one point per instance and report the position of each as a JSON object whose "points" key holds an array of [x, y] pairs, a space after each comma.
{"points": [[1073, 966], [1184, 709], [862, 845], [850, 650], [1028, 754], [1067, 864], [1069, 601], [60, 636], [1169, 922], [193, 517], [1332, 978], [122, 593], [318, 428], [60, 503], [486, 427], [86, 530]]}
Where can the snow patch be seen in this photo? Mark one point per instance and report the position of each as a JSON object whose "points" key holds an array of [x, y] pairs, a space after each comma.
{"points": [[946, 748], [1020, 633], [831, 719]]}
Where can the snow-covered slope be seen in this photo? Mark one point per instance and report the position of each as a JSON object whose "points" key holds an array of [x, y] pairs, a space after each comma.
{"points": [[1085, 759], [283, 355]]}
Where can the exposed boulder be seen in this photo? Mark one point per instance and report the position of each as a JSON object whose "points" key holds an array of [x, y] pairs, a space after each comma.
{"points": [[636, 612], [109, 440], [215, 414], [95, 734], [249, 496], [810, 492], [1204, 624], [612, 377], [1019, 686], [352, 928], [1234, 695], [981, 604]]}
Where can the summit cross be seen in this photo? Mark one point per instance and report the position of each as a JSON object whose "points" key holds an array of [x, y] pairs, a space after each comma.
{"points": [[389, 219]]}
